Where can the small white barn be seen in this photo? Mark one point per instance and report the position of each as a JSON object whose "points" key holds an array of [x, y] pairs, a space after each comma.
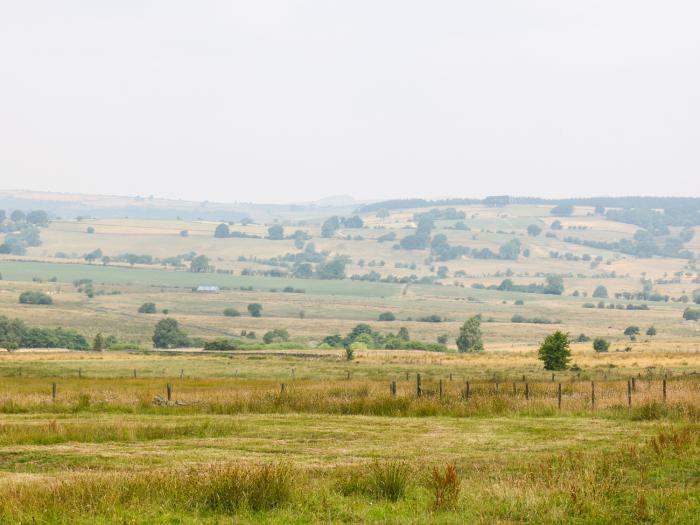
{"points": [[207, 289]]}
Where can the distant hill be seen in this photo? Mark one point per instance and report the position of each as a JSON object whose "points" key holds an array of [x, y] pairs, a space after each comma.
{"points": [[71, 205]]}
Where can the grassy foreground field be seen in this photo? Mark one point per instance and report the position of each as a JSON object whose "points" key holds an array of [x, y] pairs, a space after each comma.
{"points": [[233, 445]]}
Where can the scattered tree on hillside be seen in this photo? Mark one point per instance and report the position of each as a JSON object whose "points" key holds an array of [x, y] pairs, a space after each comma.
{"points": [[632, 332], [222, 231], [601, 292], [200, 264], [255, 309], [534, 230], [147, 308], [275, 232]]}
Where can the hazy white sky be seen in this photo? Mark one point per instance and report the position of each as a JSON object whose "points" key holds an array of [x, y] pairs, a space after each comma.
{"points": [[290, 101]]}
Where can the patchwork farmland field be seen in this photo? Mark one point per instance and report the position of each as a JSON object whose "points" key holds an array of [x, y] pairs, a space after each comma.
{"points": [[346, 398]]}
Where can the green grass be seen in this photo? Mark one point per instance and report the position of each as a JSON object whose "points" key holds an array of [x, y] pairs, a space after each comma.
{"points": [[112, 275]]}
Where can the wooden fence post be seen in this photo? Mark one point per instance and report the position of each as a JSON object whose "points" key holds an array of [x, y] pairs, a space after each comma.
{"points": [[182, 372], [406, 376], [419, 391], [450, 377], [348, 378], [80, 373], [168, 391], [134, 373], [497, 389], [515, 390], [559, 397], [466, 390], [664, 388], [629, 393], [593, 394], [634, 384], [53, 391], [440, 389], [283, 388], [552, 377], [392, 388], [527, 391]]}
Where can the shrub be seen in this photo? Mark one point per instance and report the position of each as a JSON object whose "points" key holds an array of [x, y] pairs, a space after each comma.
{"points": [[231, 312], [600, 345], [519, 302], [582, 338], [387, 316], [29, 297], [445, 487], [147, 308], [349, 353]]}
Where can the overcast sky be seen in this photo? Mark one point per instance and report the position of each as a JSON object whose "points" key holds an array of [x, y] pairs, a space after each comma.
{"points": [[294, 101]]}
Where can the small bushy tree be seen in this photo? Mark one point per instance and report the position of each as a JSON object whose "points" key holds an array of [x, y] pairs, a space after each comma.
{"points": [[387, 316], [600, 345], [167, 334], [555, 351], [255, 309], [632, 332], [231, 312], [469, 339], [147, 308]]}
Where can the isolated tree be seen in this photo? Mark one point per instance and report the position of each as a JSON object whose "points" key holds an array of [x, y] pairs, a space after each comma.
{"points": [[600, 345], [601, 292], [98, 343], [651, 331], [696, 296], [222, 231], [184, 233], [90, 230], [200, 264], [231, 312], [469, 339], [275, 232], [387, 316], [168, 334], [255, 309], [534, 230], [556, 225], [18, 216], [632, 332], [555, 351]]}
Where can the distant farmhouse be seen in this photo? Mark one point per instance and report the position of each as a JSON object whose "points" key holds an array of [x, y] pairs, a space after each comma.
{"points": [[207, 289]]}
